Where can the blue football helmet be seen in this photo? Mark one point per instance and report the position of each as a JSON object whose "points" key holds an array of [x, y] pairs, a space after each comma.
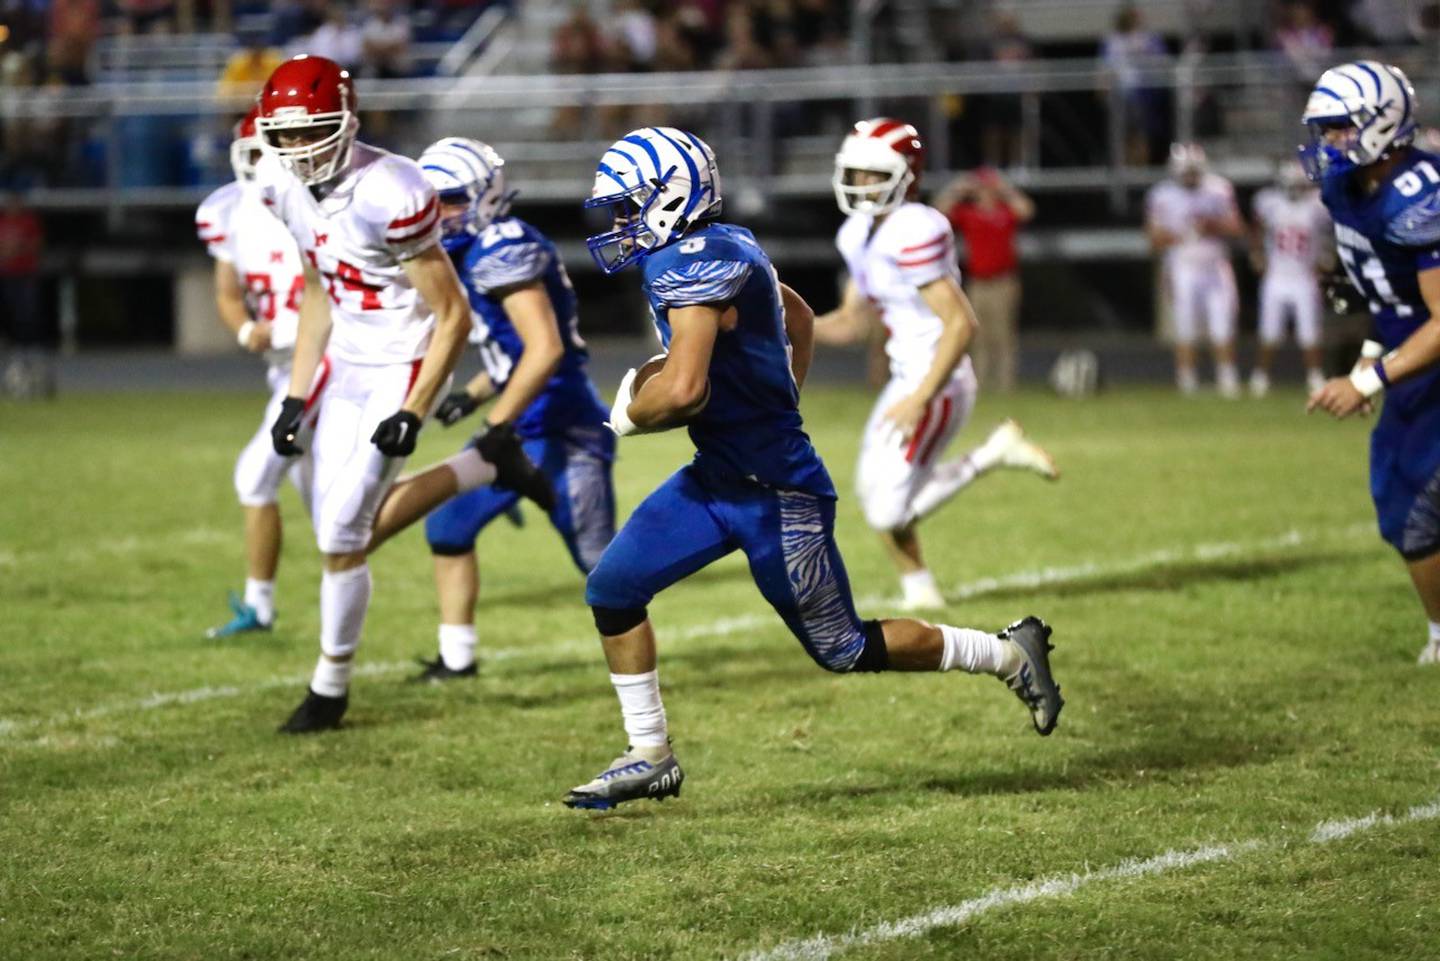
{"points": [[1357, 114], [656, 182], [468, 172]]}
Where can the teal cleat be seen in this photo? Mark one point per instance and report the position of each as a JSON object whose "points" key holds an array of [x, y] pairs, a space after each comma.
{"points": [[245, 620]]}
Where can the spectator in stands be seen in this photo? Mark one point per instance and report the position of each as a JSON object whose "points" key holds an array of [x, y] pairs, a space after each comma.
{"points": [[576, 46], [249, 66], [74, 28], [147, 16], [1008, 49], [821, 30], [1305, 40], [335, 39], [635, 34], [385, 41], [988, 210], [296, 18], [21, 240], [1125, 51], [743, 49]]}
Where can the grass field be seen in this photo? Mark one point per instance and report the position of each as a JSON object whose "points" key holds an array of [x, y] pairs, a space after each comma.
{"points": [[1236, 646]]}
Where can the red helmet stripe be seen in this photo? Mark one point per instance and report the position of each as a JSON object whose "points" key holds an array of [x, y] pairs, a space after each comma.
{"points": [[883, 127]]}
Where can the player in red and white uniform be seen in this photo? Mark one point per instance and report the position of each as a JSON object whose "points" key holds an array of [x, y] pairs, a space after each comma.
{"points": [[259, 282], [1190, 219], [901, 259], [383, 342], [1290, 244]]}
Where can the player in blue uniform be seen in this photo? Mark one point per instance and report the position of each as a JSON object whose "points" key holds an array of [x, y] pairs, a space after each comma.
{"points": [[1384, 196], [738, 346], [534, 360]]}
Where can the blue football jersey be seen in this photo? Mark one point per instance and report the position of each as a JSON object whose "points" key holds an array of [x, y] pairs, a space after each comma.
{"points": [[751, 426], [1384, 240], [510, 252]]}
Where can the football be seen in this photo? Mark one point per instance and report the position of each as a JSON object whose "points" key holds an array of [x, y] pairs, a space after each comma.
{"points": [[652, 367]]}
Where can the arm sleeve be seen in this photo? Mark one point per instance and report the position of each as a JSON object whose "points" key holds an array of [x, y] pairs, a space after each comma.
{"points": [[509, 265], [701, 282], [1418, 225], [212, 226], [930, 258], [409, 212]]}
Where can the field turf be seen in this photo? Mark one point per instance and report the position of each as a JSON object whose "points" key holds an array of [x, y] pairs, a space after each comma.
{"points": [[1248, 765]]}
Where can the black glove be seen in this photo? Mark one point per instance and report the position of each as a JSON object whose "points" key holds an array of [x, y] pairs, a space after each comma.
{"points": [[395, 435], [456, 406], [287, 427], [1340, 294]]}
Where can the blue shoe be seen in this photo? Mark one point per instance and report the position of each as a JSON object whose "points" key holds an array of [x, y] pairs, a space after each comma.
{"points": [[244, 621]]}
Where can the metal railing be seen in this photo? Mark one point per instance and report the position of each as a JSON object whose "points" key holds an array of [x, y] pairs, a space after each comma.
{"points": [[774, 131]]}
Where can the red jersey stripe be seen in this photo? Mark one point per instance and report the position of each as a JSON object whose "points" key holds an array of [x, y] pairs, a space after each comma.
{"points": [[922, 261], [400, 222], [929, 243]]}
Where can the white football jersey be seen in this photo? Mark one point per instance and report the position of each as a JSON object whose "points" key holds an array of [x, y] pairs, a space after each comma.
{"points": [[1179, 210], [1296, 230], [379, 213], [912, 247], [238, 229]]}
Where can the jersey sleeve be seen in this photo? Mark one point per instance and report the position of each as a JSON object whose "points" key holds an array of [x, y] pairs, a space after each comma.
{"points": [[213, 220], [1417, 224], [404, 209], [927, 251], [708, 281], [508, 265]]}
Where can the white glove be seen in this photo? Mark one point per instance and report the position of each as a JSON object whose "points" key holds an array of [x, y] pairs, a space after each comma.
{"points": [[620, 421]]}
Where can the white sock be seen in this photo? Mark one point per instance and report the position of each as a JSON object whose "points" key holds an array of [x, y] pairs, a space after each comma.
{"points": [[975, 652], [640, 706], [457, 645], [1227, 377], [332, 678], [470, 469], [1435, 632], [344, 599], [261, 596], [947, 480], [915, 582], [1186, 380]]}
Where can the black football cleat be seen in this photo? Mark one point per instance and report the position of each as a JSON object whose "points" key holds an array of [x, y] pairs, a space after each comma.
{"points": [[513, 469], [1033, 682], [436, 671], [316, 713]]}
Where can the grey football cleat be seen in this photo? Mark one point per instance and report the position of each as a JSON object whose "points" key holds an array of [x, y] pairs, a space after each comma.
{"points": [[1033, 683], [628, 778]]}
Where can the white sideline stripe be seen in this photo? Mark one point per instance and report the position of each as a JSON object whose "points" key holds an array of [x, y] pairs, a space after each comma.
{"points": [[822, 947], [193, 696], [195, 537], [718, 628]]}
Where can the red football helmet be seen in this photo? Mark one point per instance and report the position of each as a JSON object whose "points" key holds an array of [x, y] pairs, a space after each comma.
{"points": [[246, 144], [314, 96], [883, 146]]}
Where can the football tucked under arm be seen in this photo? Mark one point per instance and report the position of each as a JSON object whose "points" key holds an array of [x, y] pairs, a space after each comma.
{"points": [[646, 371]]}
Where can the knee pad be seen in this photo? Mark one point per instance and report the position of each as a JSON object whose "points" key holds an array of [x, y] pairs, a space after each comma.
{"points": [[873, 656], [614, 621]]}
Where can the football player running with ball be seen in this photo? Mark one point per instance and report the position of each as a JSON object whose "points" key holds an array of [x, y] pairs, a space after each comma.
{"points": [[528, 328], [1384, 196], [259, 282], [901, 257], [368, 225], [738, 346]]}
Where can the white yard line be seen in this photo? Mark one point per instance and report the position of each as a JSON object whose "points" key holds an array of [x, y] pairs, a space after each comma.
{"points": [[822, 947], [194, 537], [1042, 577]]}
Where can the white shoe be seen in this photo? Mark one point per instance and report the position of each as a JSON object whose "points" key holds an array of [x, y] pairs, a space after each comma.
{"points": [[1314, 380], [1007, 446], [922, 597], [1259, 383], [1187, 382], [1429, 654]]}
